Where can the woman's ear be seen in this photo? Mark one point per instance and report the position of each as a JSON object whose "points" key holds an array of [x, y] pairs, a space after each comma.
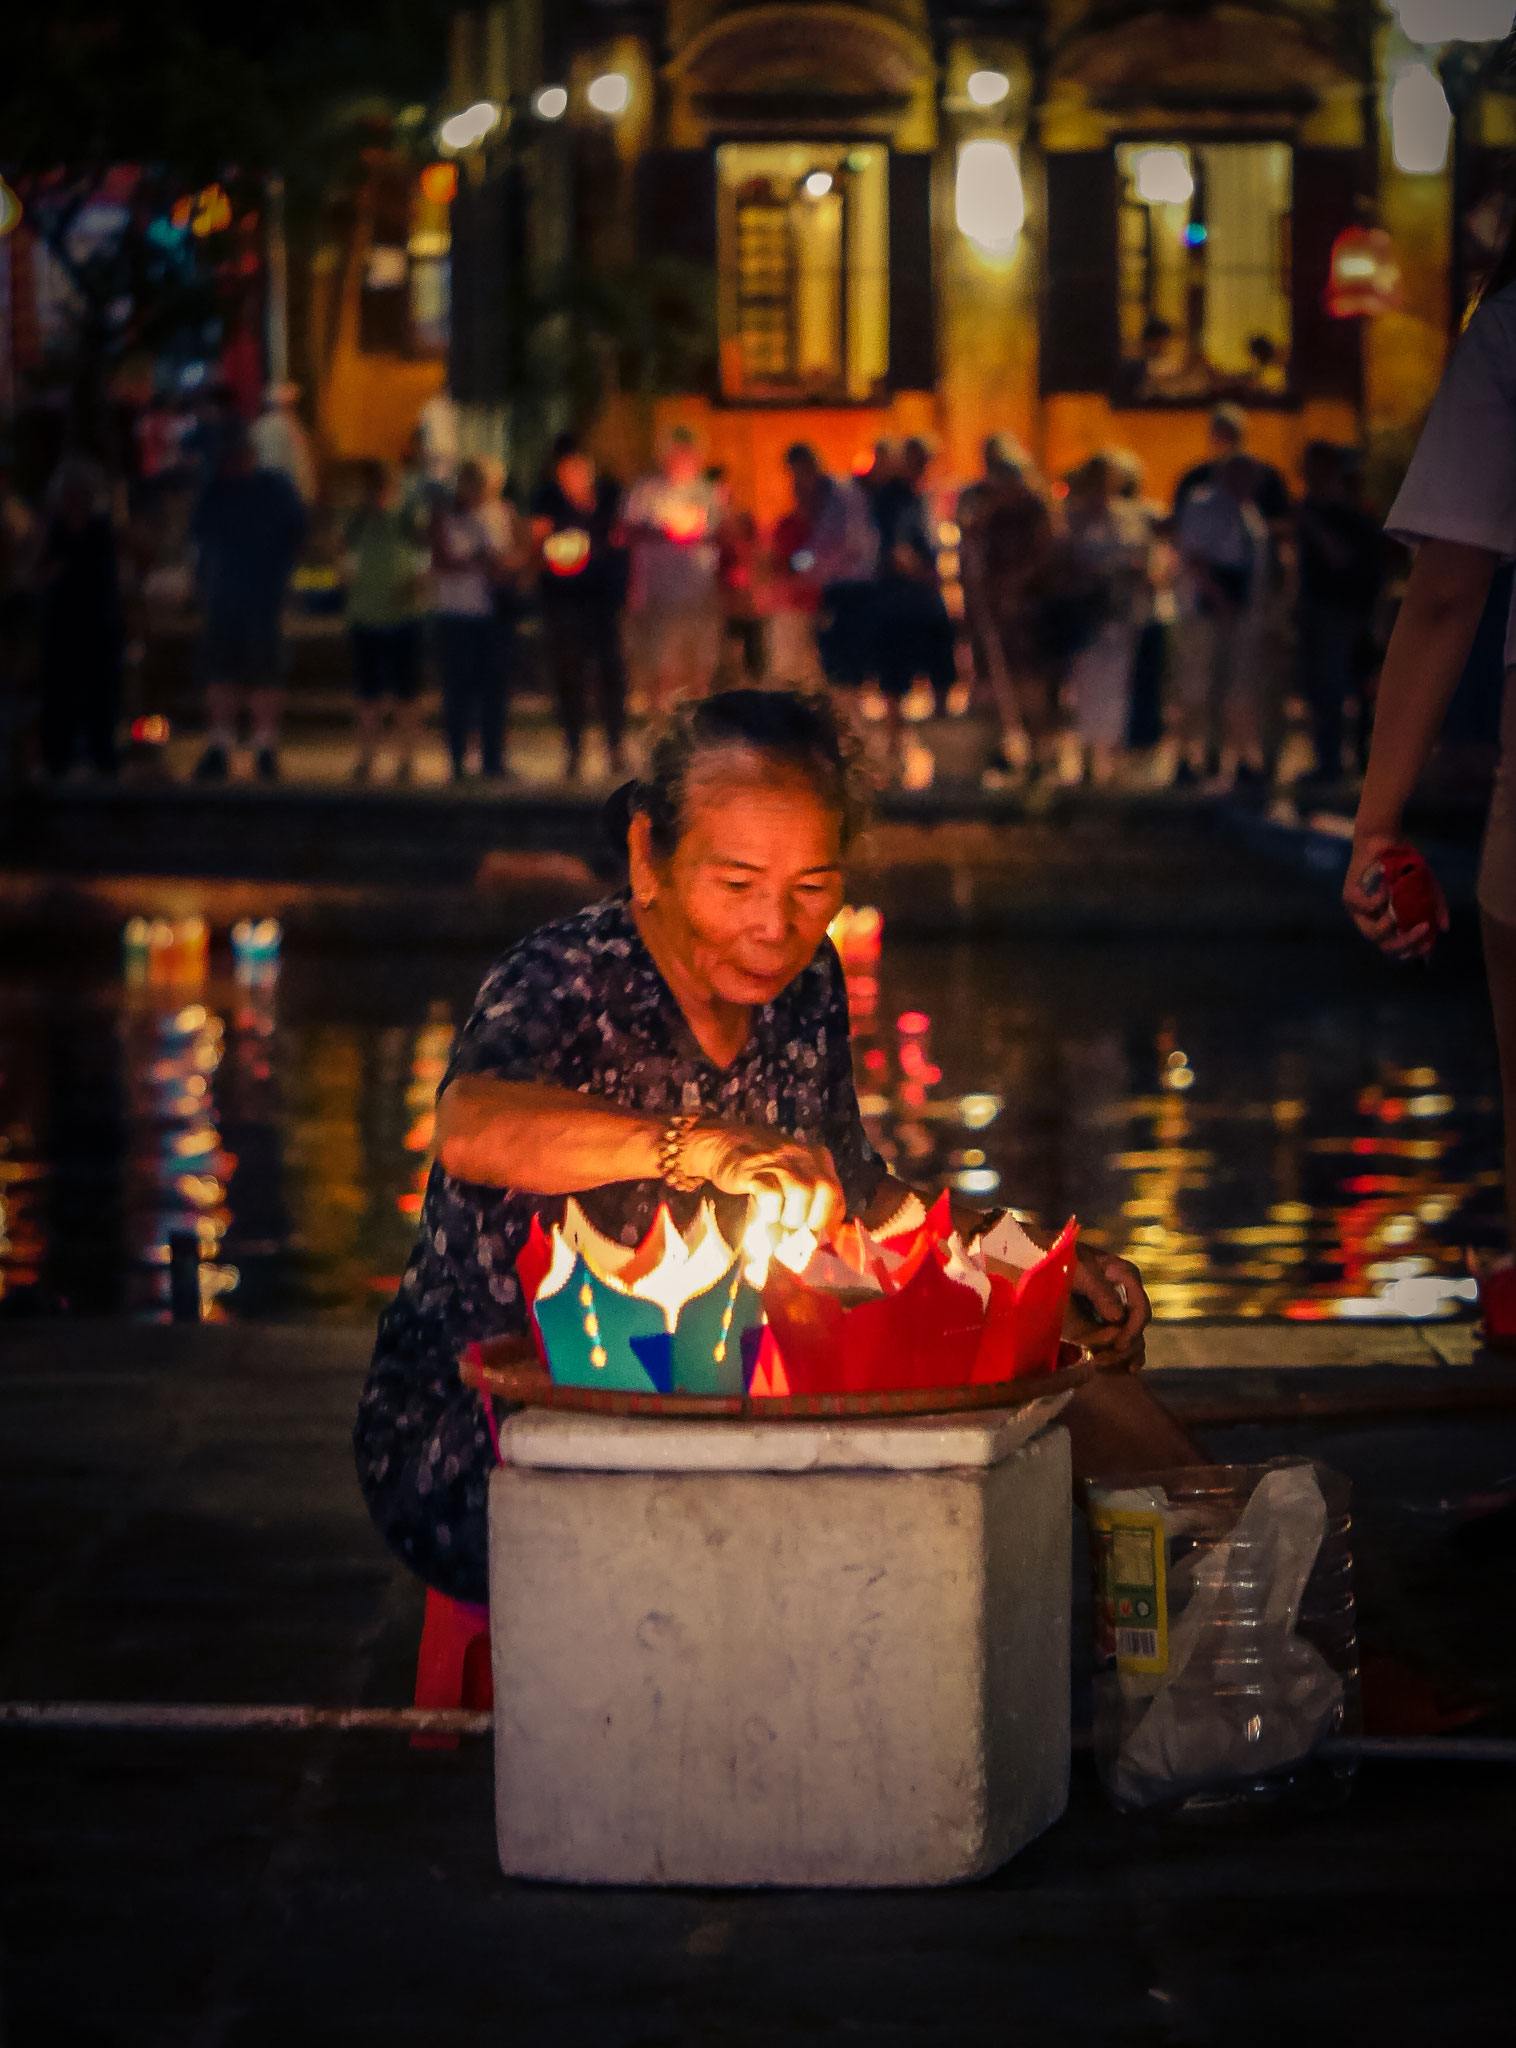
{"points": [[639, 853]]}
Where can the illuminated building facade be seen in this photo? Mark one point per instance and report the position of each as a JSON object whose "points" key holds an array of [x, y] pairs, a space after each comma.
{"points": [[1079, 221]]}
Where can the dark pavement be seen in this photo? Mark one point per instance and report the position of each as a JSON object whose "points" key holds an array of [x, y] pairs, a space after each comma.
{"points": [[178, 1521]]}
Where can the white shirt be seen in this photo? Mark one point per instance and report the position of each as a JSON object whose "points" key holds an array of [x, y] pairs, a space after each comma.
{"points": [[280, 442], [465, 593], [1461, 485]]}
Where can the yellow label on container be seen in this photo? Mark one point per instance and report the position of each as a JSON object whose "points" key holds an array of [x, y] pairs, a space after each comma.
{"points": [[1133, 1589]]}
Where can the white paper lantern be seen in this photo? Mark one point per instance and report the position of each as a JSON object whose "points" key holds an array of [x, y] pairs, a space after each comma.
{"points": [[1164, 178], [1421, 121], [610, 93], [1455, 21], [989, 201], [988, 88], [462, 131]]}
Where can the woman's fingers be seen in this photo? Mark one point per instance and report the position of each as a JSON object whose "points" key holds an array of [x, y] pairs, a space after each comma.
{"points": [[796, 1187], [1113, 1287], [828, 1204]]}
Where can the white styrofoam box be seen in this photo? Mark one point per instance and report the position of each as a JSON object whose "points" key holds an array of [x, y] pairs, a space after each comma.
{"points": [[778, 1653]]}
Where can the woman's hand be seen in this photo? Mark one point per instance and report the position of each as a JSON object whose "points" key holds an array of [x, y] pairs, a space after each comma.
{"points": [[1114, 1290], [742, 1161], [1367, 897]]}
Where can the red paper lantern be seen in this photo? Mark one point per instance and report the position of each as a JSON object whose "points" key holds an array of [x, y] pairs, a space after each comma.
{"points": [[1364, 276]]}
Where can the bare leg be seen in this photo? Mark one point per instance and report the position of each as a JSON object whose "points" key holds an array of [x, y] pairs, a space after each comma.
{"points": [[370, 732], [1117, 1426], [406, 734], [222, 703], [267, 707]]}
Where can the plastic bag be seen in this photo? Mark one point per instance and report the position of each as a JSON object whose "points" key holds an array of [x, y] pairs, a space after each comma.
{"points": [[1213, 1684]]}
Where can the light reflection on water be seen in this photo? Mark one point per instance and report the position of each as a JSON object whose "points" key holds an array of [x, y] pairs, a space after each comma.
{"points": [[1287, 1129]]}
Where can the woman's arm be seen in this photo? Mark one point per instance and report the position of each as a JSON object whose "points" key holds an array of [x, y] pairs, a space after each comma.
{"points": [[546, 1141], [555, 1141], [1428, 648]]}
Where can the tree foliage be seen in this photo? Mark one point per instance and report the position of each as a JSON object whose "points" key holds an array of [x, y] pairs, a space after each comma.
{"points": [[196, 88]]}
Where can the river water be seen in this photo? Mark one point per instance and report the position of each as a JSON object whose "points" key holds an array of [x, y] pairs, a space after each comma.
{"points": [[1278, 1128]]}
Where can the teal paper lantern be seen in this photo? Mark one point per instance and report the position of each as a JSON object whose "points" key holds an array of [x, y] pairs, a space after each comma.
{"points": [[589, 1330], [708, 1336]]}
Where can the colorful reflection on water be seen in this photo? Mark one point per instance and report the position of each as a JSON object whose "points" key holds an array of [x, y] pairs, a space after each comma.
{"points": [[1267, 1129]]}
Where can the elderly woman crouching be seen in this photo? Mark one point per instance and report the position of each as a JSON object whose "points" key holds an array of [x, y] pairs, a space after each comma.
{"points": [[687, 1038]]}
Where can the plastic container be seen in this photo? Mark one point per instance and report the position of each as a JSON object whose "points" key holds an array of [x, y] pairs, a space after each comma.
{"points": [[1223, 1685]]}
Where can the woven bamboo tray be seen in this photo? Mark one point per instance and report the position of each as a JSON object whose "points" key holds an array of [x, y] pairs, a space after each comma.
{"points": [[508, 1368]]}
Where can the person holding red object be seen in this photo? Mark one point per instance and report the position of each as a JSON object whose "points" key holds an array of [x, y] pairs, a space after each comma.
{"points": [[1458, 505]]}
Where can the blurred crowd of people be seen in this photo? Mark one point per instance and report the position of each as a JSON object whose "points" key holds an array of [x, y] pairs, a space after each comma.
{"points": [[1108, 635]]}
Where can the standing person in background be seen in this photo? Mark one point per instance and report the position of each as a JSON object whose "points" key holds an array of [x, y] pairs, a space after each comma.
{"points": [[915, 632], [82, 637], [1340, 557], [214, 422], [1266, 373], [247, 530], [673, 521], [831, 550], [1267, 489], [469, 558], [1458, 507], [1150, 658], [576, 532], [434, 443], [280, 441], [418, 480], [387, 551], [511, 593], [20, 537], [791, 594], [1223, 547], [1007, 545], [736, 557], [1111, 541]]}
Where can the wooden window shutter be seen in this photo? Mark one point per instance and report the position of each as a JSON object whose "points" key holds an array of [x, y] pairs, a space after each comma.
{"points": [[676, 206], [1080, 351], [913, 328], [1327, 359]]}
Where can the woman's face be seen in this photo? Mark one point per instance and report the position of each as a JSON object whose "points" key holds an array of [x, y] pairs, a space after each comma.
{"points": [[752, 885]]}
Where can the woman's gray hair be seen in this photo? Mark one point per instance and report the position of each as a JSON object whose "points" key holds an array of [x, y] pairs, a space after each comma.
{"points": [[787, 729]]}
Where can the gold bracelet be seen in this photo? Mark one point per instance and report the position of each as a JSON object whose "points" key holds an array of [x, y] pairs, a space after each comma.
{"points": [[671, 1154]]}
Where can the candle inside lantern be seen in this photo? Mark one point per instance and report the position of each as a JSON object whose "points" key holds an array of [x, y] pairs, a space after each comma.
{"points": [[766, 1239], [684, 521], [567, 553]]}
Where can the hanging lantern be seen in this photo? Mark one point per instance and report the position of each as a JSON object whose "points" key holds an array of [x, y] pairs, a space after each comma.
{"points": [[1364, 277]]}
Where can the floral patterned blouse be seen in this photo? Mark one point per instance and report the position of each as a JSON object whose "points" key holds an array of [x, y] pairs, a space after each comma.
{"points": [[580, 1004]]}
